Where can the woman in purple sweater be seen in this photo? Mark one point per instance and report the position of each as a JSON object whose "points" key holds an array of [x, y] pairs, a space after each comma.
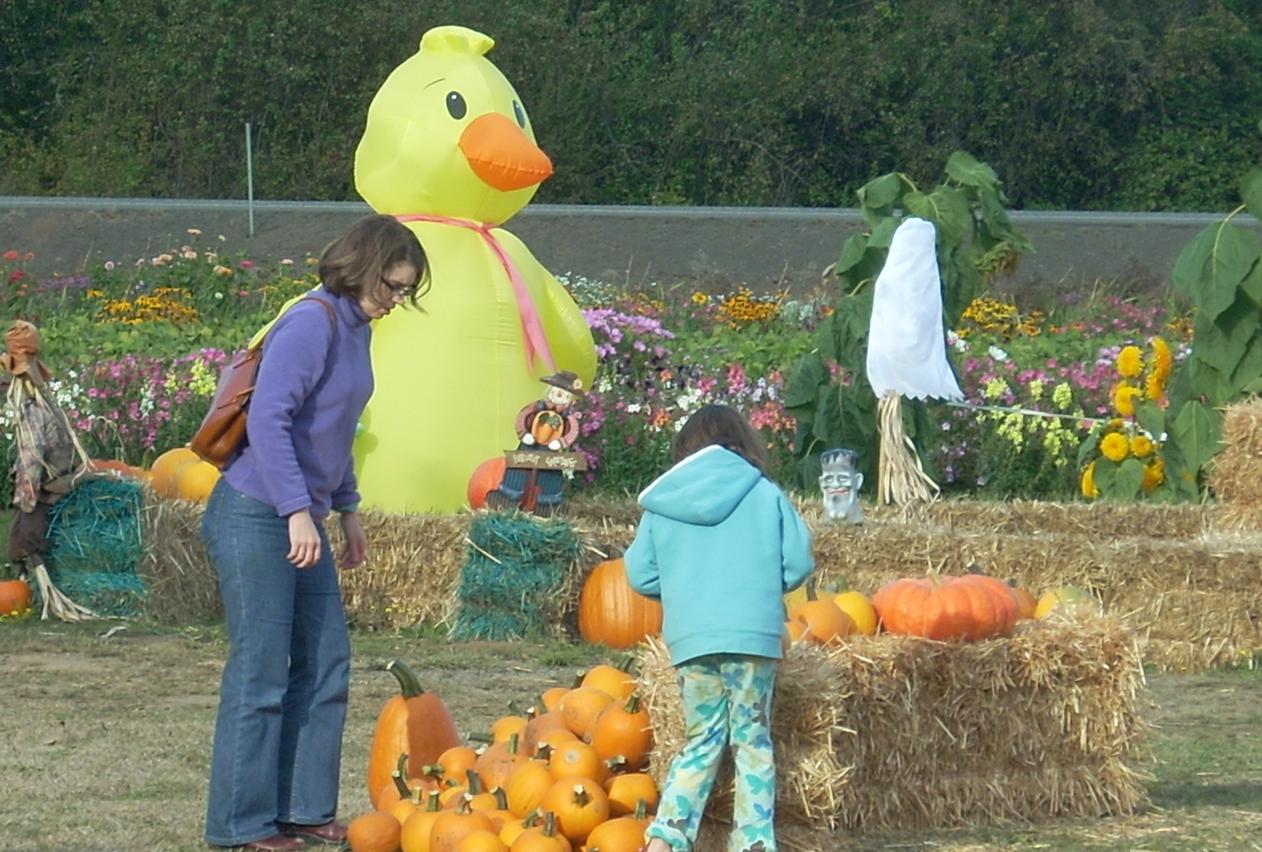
{"points": [[282, 703]]}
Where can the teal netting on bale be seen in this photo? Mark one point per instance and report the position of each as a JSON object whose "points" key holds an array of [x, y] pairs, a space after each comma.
{"points": [[518, 578], [94, 546]]}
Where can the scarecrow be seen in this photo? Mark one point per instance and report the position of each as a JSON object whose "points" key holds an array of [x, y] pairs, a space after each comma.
{"points": [[49, 463], [549, 425]]}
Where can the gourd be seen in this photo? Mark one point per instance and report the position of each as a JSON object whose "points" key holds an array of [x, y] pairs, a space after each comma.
{"points": [[860, 609], [629, 790], [373, 832], [580, 804], [450, 827], [624, 730], [415, 723], [611, 613]]}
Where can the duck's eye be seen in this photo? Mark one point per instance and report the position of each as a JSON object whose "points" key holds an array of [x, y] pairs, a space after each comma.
{"points": [[521, 115], [456, 107]]}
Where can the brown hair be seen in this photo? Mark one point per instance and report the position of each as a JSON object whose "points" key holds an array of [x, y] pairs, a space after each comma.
{"points": [[722, 425], [356, 262]]}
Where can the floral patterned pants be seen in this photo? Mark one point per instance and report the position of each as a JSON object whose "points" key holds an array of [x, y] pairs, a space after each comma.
{"points": [[727, 699]]}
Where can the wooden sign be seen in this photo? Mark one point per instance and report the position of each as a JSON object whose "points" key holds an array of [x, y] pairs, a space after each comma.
{"points": [[546, 460]]}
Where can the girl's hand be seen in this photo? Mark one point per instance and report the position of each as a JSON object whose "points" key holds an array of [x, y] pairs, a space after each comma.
{"points": [[356, 542], [304, 541]]}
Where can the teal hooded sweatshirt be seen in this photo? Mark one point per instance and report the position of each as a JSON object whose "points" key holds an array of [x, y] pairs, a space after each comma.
{"points": [[719, 545]]}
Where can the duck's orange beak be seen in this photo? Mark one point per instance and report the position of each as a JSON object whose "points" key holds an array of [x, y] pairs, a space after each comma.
{"points": [[501, 155]]}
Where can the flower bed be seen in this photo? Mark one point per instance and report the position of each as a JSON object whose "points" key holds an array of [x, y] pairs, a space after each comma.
{"points": [[136, 347]]}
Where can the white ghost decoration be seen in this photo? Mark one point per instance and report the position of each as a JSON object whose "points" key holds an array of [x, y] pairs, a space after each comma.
{"points": [[906, 346]]}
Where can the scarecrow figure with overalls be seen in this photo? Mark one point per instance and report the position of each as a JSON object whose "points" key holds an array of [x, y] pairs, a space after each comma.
{"points": [[549, 424], [49, 462]]}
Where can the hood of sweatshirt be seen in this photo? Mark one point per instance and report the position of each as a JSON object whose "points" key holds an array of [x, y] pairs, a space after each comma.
{"points": [[702, 489]]}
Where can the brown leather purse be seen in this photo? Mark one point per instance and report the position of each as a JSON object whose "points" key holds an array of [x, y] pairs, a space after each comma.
{"points": [[223, 428]]}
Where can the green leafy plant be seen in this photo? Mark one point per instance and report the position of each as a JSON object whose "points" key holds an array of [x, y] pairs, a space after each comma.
{"points": [[1221, 271], [828, 392]]}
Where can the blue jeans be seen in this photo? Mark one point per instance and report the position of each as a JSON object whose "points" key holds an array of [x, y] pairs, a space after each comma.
{"points": [[282, 702]]}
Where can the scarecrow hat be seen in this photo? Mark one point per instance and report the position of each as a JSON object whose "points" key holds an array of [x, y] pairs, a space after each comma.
{"points": [[21, 343], [565, 380]]}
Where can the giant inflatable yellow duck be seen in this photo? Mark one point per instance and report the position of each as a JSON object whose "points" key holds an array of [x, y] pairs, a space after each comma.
{"points": [[448, 148]]}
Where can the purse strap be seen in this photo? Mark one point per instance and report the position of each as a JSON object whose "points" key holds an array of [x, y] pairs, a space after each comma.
{"points": [[328, 309]]}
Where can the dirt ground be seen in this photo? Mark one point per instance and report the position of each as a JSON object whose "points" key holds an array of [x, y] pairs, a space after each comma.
{"points": [[107, 736]]}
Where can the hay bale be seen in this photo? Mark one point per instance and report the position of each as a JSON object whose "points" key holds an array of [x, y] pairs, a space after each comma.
{"points": [[94, 545], [1235, 477], [183, 586], [410, 575], [520, 577], [892, 732]]}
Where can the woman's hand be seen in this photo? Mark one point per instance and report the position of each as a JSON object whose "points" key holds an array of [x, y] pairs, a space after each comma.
{"points": [[356, 542], [304, 541]]}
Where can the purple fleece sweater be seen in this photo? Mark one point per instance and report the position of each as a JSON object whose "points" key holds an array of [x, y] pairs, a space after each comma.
{"points": [[312, 386]]}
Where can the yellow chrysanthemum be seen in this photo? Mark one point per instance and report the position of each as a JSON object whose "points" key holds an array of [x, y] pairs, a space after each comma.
{"points": [[1141, 446], [1115, 447], [1130, 361], [1124, 399], [1154, 387], [1089, 489], [1154, 475], [1162, 359]]}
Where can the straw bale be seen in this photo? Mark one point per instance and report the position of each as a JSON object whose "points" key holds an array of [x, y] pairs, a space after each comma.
{"points": [[894, 732], [804, 727], [181, 582], [1235, 477], [411, 572]]}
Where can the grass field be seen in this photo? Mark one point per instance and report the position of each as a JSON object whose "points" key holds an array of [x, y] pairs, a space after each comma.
{"points": [[107, 739]]}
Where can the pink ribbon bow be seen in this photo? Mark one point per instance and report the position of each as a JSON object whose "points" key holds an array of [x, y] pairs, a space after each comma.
{"points": [[531, 326]]}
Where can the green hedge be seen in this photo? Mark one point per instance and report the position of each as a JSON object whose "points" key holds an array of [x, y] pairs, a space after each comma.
{"points": [[1095, 104]]}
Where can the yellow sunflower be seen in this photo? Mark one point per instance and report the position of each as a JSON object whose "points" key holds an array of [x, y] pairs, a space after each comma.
{"points": [[1154, 387], [1162, 359], [1115, 447], [1130, 361], [1154, 475], [1089, 489], [1141, 446], [1124, 399]]}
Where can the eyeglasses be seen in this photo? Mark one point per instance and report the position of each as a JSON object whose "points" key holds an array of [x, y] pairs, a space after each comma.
{"points": [[398, 291]]}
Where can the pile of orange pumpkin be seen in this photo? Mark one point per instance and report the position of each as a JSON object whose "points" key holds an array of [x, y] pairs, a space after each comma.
{"points": [[566, 776]]}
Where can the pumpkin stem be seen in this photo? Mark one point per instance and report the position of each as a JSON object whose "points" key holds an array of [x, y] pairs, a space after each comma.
{"points": [[432, 770], [475, 783], [514, 741], [549, 824], [625, 664], [501, 798], [409, 686], [398, 776], [432, 803], [479, 737], [641, 809], [633, 703], [616, 764], [533, 818], [581, 796], [810, 590], [544, 751]]}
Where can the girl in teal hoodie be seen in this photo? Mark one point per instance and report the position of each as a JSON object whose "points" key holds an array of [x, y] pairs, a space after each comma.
{"points": [[719, 544]]}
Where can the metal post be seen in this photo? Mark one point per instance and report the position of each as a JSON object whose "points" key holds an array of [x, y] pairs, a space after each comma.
{"points": [[249, 176]]}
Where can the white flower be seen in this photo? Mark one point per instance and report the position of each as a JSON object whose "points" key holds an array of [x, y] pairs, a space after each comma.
{"points": [[633, 408], [997, 353]]}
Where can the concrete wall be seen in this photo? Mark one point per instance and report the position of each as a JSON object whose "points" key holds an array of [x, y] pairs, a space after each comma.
{"points": [[756, 246]]}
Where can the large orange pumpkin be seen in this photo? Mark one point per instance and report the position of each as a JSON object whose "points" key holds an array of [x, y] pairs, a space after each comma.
{"points": [[945, 608], [611, 613], [415, 723], [451, 827], [166, 467], [486, 478], [15, 597]]}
